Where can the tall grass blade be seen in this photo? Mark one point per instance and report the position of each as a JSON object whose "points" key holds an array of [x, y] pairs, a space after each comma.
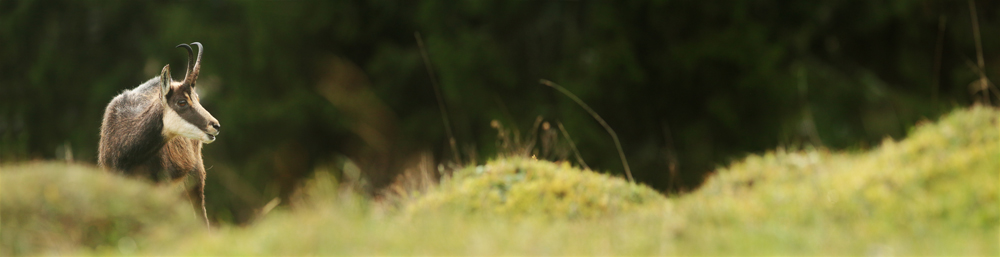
{"points": [[621, 153]]}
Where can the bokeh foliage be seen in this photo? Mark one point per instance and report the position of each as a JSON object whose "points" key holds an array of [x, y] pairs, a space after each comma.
{"points": [[687, 84]]}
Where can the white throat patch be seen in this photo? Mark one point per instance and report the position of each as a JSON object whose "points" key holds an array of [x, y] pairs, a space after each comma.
{"points": [[174, 125]]}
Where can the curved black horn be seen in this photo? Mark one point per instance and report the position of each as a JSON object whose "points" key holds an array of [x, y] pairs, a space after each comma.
{"points": [[197, 63], [187, 70]]}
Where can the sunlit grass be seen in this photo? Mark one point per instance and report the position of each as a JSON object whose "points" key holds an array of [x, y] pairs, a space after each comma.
{"points": [[518, 187], [935, 192], [55, 208]]}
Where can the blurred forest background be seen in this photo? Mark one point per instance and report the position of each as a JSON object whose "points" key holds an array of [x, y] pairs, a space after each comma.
{"points": [[688, 85]]}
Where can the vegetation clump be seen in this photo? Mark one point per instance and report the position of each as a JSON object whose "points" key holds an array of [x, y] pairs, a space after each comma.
{"points": [[946, 171], [516, 187], [935, 191], [59, 209]]}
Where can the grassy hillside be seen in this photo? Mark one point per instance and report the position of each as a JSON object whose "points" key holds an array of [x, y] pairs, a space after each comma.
{"points": [[59, 209], [936, 192], [516, 188]]}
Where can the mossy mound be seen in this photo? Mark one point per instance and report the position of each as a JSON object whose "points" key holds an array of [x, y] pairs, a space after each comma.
{"points": [[938, 187], [55, 208], [525, 187]]}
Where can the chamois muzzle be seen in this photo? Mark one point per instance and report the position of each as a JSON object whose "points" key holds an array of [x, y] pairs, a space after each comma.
{"points": [[213, 131]]}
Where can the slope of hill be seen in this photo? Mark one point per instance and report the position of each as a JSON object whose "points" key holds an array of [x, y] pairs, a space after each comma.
{"points": [[935, 192]]}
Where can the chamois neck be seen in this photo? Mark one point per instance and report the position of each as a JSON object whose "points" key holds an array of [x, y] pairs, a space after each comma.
{"points": [[138, 137]]}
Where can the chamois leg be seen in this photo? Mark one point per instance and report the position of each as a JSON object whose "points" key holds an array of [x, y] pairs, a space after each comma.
{"points": [[198, 193]]}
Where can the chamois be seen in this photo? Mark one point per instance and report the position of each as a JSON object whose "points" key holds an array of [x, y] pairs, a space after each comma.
{"points": [[157, 129]]}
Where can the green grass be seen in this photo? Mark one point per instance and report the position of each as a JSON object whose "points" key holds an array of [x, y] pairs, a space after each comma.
{"points": [[55, 208], [935, 192], [520, 188]]}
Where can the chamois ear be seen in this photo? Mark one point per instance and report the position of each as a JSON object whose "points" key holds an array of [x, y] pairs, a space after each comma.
{"points": [[165, 81]]}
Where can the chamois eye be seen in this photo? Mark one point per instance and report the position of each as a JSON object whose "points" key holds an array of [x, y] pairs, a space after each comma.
{"points": [[182, 103]]}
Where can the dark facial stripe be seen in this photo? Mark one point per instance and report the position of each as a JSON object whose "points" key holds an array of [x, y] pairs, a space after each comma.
{"points": [[194, 113]]}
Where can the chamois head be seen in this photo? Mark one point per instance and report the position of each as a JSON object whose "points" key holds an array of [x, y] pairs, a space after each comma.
{"points": [[183, 114]]}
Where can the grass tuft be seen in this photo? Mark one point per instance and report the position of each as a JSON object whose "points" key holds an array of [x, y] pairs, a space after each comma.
{"points": [[518, 187], [933, 193], [61, 209]]}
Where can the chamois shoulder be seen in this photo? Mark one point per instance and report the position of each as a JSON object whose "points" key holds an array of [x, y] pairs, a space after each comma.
{"points": [[150, 87], [134, 101]]}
